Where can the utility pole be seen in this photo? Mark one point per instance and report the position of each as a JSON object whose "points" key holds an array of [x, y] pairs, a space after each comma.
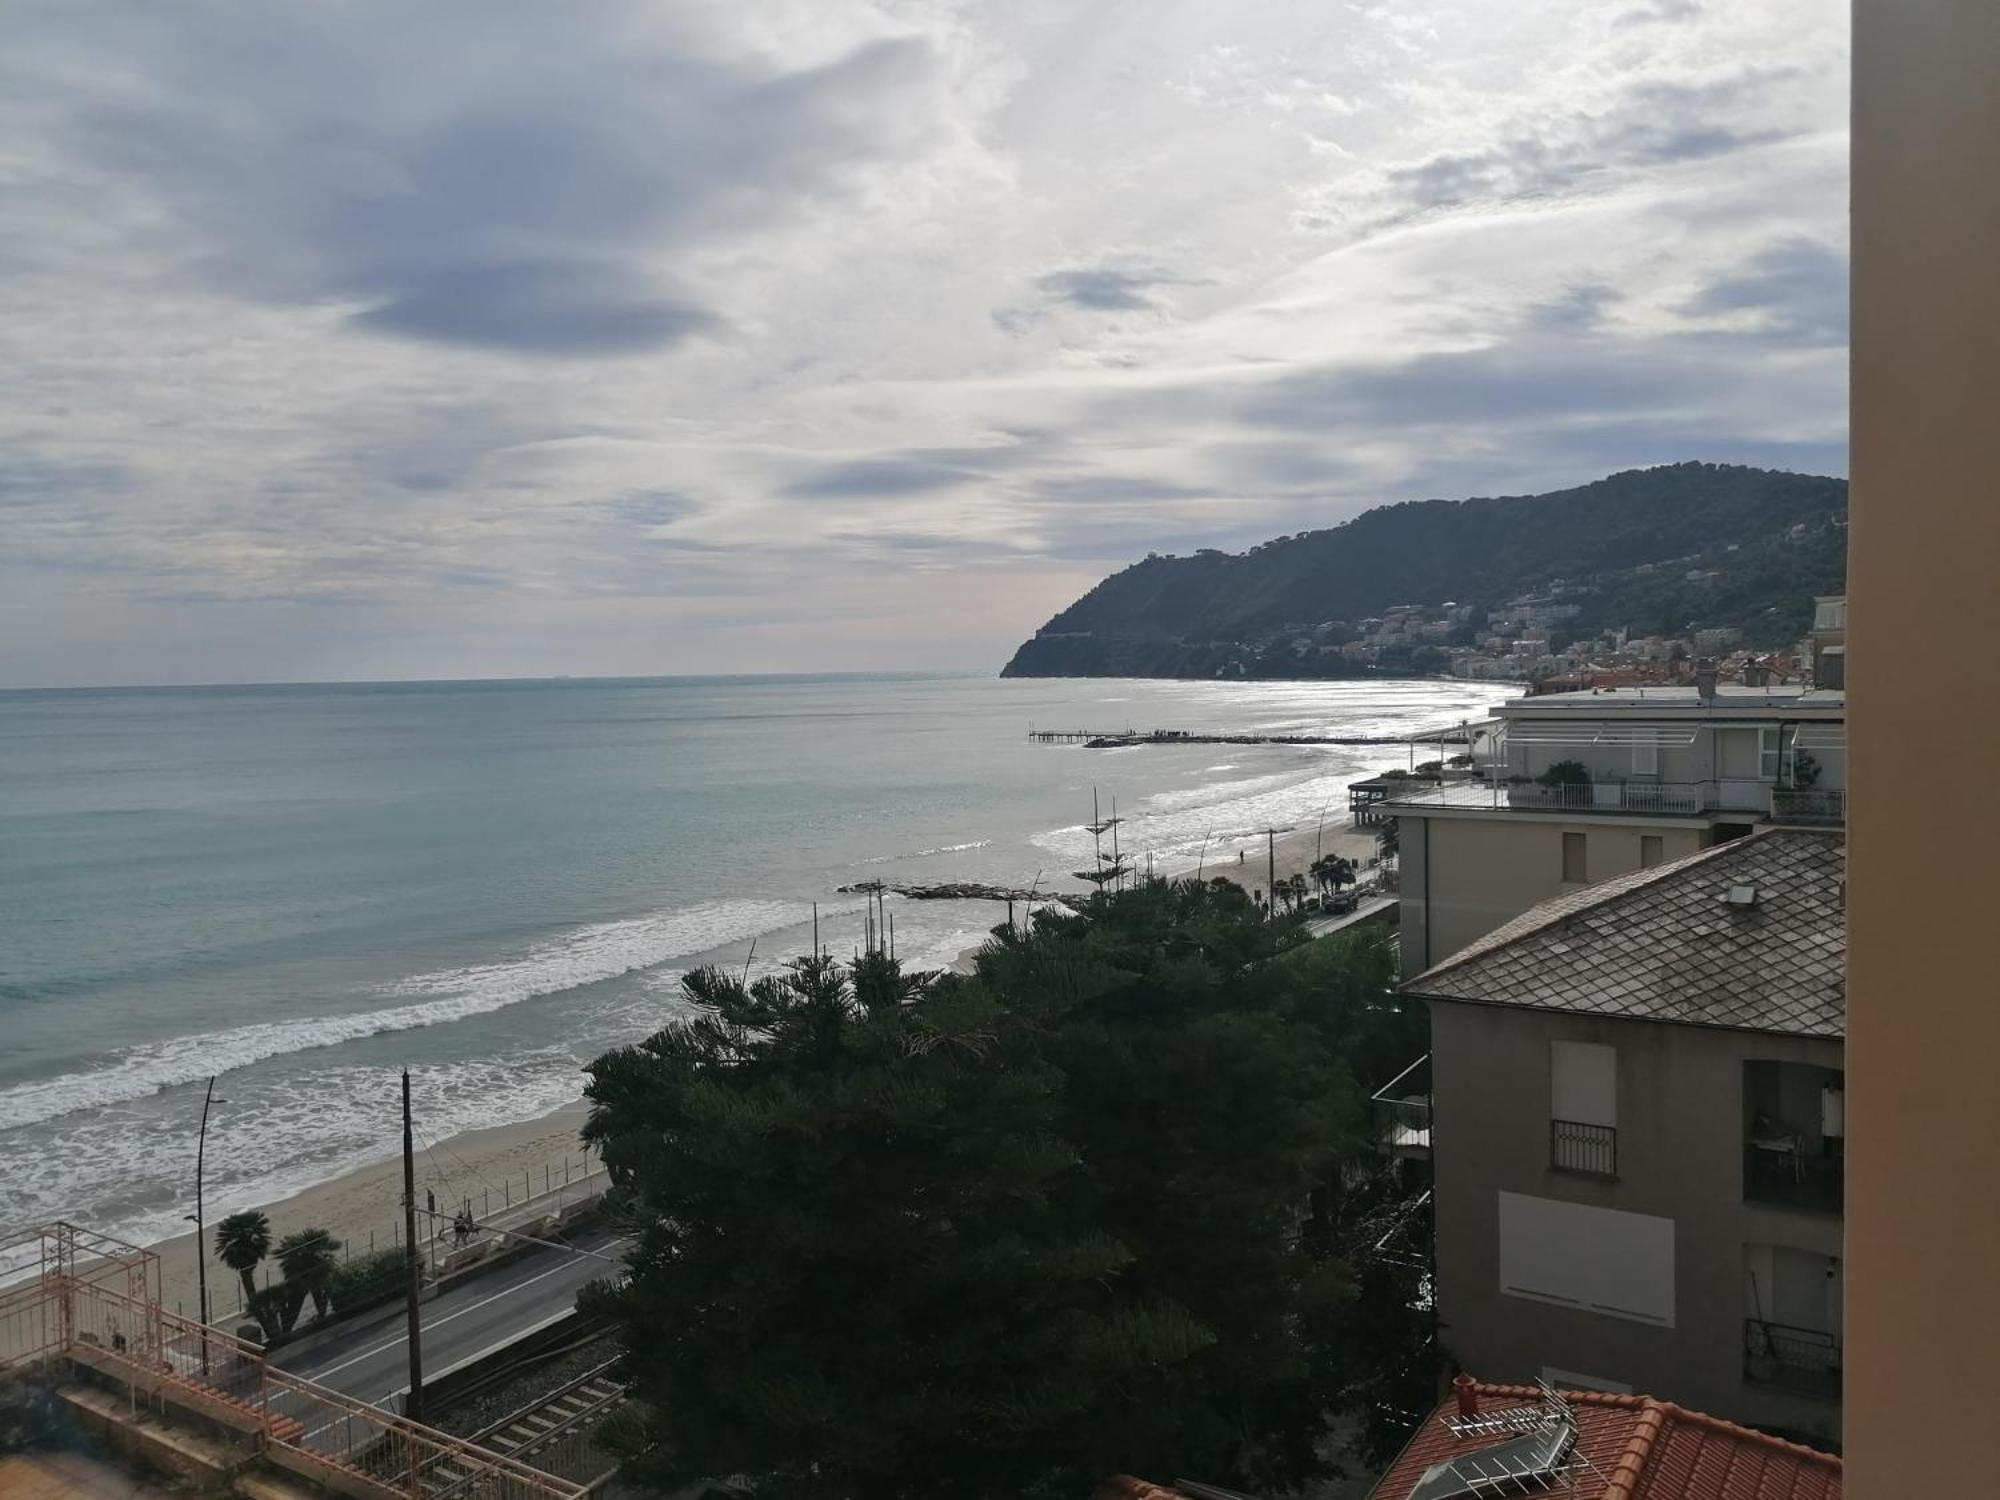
{"points": [[200, 1229], [413, 1404], [1271, 865]]}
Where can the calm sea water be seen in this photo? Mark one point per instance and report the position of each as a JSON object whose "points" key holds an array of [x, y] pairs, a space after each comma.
{"points": [[304, 889]]}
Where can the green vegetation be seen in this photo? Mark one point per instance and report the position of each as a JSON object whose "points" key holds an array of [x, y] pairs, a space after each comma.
{"points": [[1565, 773], [241, 1243], [1661, 551], [1104, 1205], [368, 1279], [309, 1260]]}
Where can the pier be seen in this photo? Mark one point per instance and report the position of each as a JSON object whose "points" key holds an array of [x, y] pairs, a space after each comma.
{"points": [[1458, 734]]}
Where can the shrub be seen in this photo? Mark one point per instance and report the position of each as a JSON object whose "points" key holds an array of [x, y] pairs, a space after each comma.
{"points": [[276, 1309], [366, 1280], [1566, 773]]}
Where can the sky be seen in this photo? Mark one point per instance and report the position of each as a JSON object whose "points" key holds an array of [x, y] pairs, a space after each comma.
{"points": [[363, 339]]}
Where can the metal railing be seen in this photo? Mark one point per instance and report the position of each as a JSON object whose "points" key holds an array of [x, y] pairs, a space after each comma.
{"points": [[1651, 798], [1797, 804], [310, 1429], [1577, 1147], [1805, 1360], [1794, 1177]]}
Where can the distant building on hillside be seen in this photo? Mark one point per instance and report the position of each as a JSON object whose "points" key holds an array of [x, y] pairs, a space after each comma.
{"points": [[1637, 1129]]}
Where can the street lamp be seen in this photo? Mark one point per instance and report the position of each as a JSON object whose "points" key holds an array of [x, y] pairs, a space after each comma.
{"points": [[200, 1230]]}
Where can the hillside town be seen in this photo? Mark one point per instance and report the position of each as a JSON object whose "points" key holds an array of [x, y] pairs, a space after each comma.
{"points": [[1531, 638]]}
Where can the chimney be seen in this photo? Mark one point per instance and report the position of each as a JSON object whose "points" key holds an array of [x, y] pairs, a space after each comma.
{"points": [[1704, 680], [1462, 1386]]}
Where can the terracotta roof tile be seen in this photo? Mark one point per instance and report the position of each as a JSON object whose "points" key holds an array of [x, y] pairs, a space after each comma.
{"points": [[1663, 945], [1636, 1448]]}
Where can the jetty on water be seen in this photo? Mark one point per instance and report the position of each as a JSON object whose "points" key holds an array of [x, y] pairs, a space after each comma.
{"points": [[1092, 739]]}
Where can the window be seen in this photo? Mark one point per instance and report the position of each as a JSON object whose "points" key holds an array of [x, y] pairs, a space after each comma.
{"points": [[1645, 757], [1573, 861], [1652, 849], [1583, 1108], [1768, 753], [1601, 1260]]}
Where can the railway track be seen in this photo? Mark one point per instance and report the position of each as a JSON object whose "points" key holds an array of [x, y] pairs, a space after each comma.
{"points": [[548, 1431]]}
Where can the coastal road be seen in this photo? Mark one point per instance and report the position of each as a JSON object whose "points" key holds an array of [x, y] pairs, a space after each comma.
{"points": [[483, 1312]]}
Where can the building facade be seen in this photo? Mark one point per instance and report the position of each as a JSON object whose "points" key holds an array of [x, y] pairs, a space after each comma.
{"points": [[1568, 789], [1637, 1134]]}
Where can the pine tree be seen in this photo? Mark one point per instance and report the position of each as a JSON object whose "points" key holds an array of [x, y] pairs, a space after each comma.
{"points": [[998, 1234]]}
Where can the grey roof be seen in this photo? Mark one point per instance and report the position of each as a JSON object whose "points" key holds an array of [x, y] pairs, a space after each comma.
{"points": [[1663, 944]]}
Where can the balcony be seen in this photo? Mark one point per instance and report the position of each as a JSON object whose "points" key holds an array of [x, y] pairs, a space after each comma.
{"points": [[1804, 1360], [1653, 799], [1794, 1136], [1402, 1111], [1802, 804], [1591, 1150], [1777, 1171]]}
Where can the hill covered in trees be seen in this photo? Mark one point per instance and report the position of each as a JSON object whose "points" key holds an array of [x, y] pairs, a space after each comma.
{"points": [[1662, 551]]}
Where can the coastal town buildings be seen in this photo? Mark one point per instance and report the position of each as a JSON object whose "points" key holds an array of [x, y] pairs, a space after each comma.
{"points": [[1637, 1128], [1568, 789]]}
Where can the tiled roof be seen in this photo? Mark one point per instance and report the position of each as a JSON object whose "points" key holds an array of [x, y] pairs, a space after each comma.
{"points": [[1664, 945], [1635, 1448]]}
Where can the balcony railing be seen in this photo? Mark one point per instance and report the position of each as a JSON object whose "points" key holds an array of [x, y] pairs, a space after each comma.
{"points": [[1805, 1360], [1577, 1147], [1780, 1171], [1796, 804]]}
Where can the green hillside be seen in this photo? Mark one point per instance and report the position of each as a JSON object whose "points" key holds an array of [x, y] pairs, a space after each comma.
{"points": [[1620, 549]]}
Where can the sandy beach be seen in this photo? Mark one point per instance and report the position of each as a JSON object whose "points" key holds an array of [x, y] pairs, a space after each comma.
{"points": [[365, 1206], [1294, 854]]}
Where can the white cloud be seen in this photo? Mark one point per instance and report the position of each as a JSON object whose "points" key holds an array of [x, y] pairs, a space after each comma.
{"points": [[356, 339]]}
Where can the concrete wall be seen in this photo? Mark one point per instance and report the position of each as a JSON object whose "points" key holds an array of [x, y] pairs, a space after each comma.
{"points": [[1923, 1311], [1461, 876], [1680, 1156]]}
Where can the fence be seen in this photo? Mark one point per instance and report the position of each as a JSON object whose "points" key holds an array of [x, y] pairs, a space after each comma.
{"points": [[555, 1188], [1806, 1360], [1577, 1147], [308, 1428]]}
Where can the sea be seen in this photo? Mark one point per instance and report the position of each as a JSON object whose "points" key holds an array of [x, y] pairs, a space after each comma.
{"points": [[302, 890]]}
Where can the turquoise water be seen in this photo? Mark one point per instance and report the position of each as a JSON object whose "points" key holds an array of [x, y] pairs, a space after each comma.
{"points": [[304, 889]]}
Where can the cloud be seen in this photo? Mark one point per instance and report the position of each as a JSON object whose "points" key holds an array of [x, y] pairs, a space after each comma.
{"points": [[549, 308], [1792, 292], [488, 336], [521, 205], [877, 476], [1658, 11]]}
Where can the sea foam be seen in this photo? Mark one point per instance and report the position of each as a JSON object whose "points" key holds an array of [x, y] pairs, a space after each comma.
{"points": [[587, 955]]}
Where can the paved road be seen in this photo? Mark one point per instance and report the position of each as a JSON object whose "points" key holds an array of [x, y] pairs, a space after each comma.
{"points": [[371, 1359], [1372, 908]]}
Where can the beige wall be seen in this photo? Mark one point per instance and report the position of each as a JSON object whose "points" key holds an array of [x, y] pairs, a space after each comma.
{"points": [[1468, 875], [1680, 1154], [1923, 1271]]}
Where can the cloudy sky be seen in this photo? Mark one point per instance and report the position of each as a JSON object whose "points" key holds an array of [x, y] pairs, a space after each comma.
{"points": [[473, 337]]}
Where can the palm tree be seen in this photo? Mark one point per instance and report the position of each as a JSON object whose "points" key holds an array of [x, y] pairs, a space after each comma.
{"points": [[309, 1259], [1339, 871], [241, 1241]]}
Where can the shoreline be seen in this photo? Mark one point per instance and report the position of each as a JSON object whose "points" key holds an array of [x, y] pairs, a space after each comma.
{"points": [[364, 1205]]}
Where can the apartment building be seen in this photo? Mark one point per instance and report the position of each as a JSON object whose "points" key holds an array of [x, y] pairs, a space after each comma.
{"points": [[1568, 789], [1638, 1132]]}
